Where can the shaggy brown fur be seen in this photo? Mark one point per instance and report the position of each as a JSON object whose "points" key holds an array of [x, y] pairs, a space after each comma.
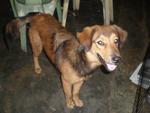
{"points": [[74, 57]]}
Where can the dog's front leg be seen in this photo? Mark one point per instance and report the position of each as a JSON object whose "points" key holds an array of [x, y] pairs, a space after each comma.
{"points": [[76, 89], [68, 93]]}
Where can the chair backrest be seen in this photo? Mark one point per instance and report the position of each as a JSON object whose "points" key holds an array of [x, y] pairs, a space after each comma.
{"points": [[33, 2]]}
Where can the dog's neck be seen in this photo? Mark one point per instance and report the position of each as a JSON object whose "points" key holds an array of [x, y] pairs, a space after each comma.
{"points": [[82, 61]]}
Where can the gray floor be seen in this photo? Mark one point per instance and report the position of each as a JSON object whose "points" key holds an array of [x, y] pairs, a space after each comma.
{"points": [[105, 92]]}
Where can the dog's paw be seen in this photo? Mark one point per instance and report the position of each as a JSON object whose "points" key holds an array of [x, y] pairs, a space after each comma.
{"points": [[78, 102], [38, 70], [70, 104]]}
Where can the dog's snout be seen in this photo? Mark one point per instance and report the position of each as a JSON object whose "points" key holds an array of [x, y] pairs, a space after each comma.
{"points": [[116, 59]]}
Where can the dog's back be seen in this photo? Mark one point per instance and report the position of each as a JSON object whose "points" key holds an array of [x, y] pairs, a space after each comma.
{"points": [[44, 30], [50, 32]]}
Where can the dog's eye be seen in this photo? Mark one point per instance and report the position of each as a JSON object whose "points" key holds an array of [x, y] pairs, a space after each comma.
{"points": [[116, 41], [100, 43]]}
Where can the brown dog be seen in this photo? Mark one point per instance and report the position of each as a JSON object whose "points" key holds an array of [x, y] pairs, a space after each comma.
{"points": [[75, 58]]}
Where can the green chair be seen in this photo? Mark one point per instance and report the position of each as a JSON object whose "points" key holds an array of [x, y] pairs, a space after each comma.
{"points": [[23, 7]]}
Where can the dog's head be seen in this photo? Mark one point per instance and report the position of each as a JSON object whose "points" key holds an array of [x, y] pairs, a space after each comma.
{"points": [[104, 43]]}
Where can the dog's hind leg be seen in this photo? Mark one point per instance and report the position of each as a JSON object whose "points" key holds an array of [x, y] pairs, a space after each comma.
{"points": [[76, 89], [37, 47]]}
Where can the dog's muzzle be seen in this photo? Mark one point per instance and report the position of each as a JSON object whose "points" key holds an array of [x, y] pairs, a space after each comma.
{"points": [[109, 66]]}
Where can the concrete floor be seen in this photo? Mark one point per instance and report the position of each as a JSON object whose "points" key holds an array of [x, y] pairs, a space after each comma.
{"points": [[105, 92]]}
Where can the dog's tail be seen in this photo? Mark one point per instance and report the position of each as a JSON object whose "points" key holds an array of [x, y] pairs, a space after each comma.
{"points": [[12, 28]]}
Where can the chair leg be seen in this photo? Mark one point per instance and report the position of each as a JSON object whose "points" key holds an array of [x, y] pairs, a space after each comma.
{"points": [[76, 4], [59, 12], [65, 11], [111, 11], [22, 29], [106, 12], [12, 2], [23, 38]]}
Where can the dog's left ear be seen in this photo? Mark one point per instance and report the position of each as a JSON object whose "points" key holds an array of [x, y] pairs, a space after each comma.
{"points": [[59, 38], [85, 37], [122, 34]]}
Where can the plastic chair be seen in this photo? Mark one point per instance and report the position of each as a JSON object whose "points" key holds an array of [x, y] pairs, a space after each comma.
{"points": [[107, 10], [23, 7], [108, 14]]}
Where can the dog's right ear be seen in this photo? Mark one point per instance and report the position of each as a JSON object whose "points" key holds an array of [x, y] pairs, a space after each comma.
{"points": [[122, 34], [85, 37]]}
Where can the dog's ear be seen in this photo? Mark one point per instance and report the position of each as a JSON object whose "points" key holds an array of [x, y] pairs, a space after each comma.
{"points": [[121, 33], [59, 38], [85, 37]]}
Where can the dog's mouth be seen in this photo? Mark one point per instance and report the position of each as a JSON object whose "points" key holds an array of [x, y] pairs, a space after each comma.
{"points": [[109, 66]]}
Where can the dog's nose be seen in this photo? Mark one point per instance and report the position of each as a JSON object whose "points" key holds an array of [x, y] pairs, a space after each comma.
{"points": [[116, 59]]}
